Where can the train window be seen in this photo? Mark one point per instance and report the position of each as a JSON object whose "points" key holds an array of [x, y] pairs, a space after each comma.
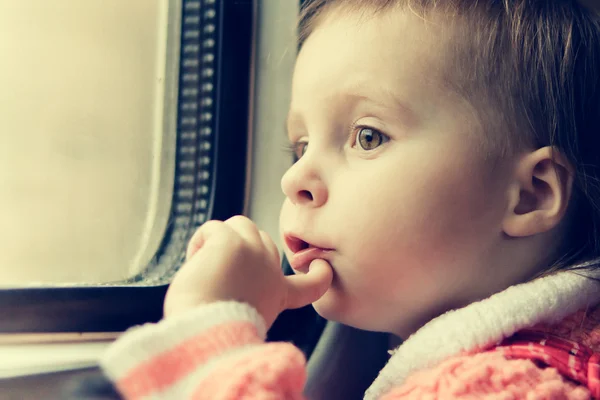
{"points": [[123, 127], [86, 152]]}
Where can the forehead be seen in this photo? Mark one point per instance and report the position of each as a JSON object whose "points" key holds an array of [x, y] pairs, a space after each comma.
{"points": [[394, 52]]}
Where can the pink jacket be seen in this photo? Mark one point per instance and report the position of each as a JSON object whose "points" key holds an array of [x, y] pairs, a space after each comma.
{"points": [[538, 340]]}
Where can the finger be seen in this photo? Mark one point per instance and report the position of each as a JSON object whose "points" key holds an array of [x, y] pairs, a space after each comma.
{"points": [[206, 230], [245, 228], [270, 246], [308, 288]]}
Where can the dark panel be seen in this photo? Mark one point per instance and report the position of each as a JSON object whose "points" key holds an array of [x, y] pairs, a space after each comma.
{"points": [[233, 99], [99, 309]]}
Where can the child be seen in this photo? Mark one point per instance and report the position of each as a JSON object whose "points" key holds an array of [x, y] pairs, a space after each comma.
{"points": [[445, 190]]}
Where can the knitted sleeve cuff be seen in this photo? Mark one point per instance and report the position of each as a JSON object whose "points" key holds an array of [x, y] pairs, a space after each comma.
{"points": [[143, 343]]}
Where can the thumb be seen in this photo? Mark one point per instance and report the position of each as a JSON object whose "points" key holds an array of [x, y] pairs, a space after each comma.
{"points": [[308, 288]]}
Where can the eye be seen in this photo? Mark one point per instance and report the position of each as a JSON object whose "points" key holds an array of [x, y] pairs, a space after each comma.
{"points": [[298, 149], [369, 139]]}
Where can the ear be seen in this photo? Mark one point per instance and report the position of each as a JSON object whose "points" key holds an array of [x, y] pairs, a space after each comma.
{"points": [[540, 194]]}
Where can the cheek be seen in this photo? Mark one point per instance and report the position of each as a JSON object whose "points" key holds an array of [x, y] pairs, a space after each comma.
{"points": [[418, 218]]}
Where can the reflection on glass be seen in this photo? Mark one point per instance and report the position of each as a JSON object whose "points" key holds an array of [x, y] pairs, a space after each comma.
{"points": [[81, 122]]}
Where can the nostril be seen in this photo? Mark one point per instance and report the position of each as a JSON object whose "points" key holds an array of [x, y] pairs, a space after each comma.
{"points": [[305, 195]]}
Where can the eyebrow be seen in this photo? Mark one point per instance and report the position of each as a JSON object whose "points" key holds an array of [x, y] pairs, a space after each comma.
{"points": [[357, 94], [391, 102], [291, 116]]}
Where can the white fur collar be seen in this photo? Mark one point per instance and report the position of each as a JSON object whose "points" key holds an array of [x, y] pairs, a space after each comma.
{"points": [[547, 299]]}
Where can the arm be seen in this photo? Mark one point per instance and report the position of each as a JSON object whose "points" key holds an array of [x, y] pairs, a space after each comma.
{"points": [[213, 352], [208, 346]]}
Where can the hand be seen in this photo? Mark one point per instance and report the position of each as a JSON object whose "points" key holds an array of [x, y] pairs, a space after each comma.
{"points": [[233, 260]]}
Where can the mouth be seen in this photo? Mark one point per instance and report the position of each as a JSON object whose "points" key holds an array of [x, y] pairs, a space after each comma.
{"points": [[304, 253]]}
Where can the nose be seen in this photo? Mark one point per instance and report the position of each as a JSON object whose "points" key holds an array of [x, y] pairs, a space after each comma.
{"points": [[303, 185]]}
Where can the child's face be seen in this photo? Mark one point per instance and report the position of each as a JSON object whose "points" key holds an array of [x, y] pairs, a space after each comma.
{"points": [[414, 220]]}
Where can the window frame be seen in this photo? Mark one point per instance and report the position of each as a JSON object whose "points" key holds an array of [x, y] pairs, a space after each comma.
{"points": [[116, 307]]}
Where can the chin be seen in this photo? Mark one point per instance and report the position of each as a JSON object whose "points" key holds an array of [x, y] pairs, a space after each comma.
{"points": [[333, 307]]}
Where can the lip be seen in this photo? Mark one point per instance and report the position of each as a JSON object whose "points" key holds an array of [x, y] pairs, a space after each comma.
{"points": [[304, 252]]}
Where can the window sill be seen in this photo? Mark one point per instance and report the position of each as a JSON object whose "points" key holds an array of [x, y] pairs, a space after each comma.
{"points": [[19, 360]]}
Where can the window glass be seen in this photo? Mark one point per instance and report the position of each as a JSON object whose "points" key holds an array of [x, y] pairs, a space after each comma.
{"points": [[86, 170]]}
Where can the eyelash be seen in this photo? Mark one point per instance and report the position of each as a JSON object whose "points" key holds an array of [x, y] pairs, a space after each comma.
{"points": [[293, 149]]}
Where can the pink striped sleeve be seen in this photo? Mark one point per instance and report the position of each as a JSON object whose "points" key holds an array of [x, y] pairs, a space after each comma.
{"points": [[216, 352], [488, 376]]}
